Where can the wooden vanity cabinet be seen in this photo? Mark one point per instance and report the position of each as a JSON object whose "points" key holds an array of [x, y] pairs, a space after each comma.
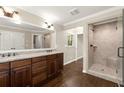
{"points": [[51, 65], [4, 75], [55, 64], [39, 70], [30, 72], [21, 73]]}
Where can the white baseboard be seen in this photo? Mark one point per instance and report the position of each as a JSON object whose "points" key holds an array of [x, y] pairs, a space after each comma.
{"points": [[79, 57], [84, 71], [70, 61], [73, 60]]}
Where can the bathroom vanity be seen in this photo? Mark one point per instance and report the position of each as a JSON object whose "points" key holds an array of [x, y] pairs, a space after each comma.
{"points": [[27, 69], [30, 69]]}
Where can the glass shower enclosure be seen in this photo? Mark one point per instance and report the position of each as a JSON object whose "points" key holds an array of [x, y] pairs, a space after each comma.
{"points": [[105, 49]]}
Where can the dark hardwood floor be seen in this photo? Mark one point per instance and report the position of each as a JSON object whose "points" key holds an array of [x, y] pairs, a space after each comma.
{"points": [[72, 76]]}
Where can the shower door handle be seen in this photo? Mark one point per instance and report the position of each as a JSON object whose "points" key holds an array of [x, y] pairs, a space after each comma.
{"points": [[121, 52]]}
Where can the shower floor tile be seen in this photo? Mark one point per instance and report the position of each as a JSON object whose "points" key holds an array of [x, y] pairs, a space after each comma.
{"points": [[104, 70]]}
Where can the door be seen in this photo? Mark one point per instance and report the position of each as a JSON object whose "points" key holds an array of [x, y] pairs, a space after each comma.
{"points": [[37, 41], [0, 40], [47, 41], [104, 41], [21, 76], [4, 79], [79, 48], [59, 63], [121, 56], [4, 75]]}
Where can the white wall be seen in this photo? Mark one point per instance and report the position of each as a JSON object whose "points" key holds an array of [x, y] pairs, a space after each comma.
{"points": [[69, 52]]}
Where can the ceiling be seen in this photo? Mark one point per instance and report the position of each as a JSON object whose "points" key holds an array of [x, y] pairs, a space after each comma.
{"points": [[61, 14]]}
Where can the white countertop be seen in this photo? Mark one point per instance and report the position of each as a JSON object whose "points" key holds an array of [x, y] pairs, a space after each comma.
{"points": [[26, 56]]}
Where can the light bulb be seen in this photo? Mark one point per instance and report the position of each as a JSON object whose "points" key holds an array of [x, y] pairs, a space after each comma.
{"points": [[51, 28], [44, 25], [17, 21], [1, 12]]}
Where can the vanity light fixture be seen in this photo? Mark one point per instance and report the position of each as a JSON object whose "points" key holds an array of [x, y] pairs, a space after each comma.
{"points": [[8, 12], [48, 26]]}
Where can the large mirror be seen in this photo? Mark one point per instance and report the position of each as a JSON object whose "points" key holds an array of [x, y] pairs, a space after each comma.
{"points": [[18, 39]]}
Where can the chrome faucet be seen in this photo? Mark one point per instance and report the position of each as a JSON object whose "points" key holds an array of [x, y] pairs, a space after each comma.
{"points": [[2, 55], [14, 54], [7, 54]]}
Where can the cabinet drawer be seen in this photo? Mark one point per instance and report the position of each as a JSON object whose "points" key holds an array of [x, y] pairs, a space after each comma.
{"points": [[39, 70], [20, 63], [60, 55], [4, 66], [39, 78], [38, 59], [49, 57], [39, 64]]}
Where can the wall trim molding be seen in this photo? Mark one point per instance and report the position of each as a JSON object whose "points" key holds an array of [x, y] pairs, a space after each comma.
{"points": [[68, 62], [73, 60], [94, 15], [79, 57]]}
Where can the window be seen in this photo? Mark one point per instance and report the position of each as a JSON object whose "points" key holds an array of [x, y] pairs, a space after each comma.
{"points": [[69, 40]]}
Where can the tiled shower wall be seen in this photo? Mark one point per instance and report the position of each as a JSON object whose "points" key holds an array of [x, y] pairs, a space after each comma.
{"points": [[90, 42], [107, 37]]}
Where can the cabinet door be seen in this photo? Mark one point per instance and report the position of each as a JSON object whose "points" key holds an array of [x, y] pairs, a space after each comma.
{"points": [[39, 73], [21, 76], [59, 62], [4, 79], [51, 68]]}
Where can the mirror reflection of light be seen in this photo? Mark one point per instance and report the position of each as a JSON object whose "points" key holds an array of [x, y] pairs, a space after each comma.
{"points": [[1, 12], [17, 18], [17, 21]]}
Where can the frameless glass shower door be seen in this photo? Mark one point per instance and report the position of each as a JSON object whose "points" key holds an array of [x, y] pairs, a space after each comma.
{"points": [[121, 56], [105, 49]]}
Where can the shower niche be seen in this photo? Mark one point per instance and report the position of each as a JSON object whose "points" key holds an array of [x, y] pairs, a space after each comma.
{"points": [[104, 40]]}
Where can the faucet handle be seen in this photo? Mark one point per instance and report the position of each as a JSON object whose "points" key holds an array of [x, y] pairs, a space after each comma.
{"points": [[9, 54], [14, 54], [3, 55]]}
